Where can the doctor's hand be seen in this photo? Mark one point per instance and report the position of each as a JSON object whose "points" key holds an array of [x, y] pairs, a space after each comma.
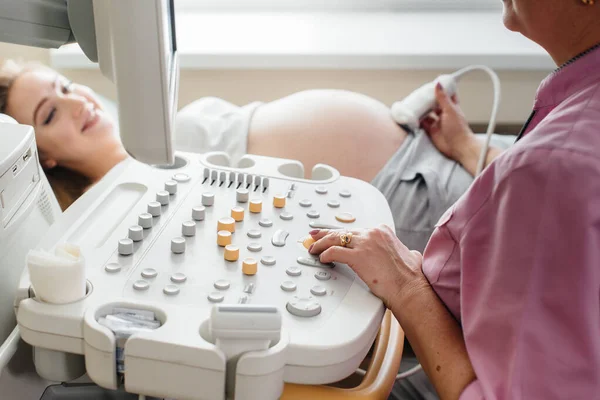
{"points": [[378, 257], [448, 128]]}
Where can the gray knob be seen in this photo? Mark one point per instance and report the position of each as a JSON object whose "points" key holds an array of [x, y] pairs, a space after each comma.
{"points": [[188, 228], [125, 247], [178, 245], [265, 182], [242, 195], [240, 178], [214, 175], [232, 176], [303, 307], [198, 213], [206, 173], [257, 181], [222, 176], [162, 197], [145, 220], [171, 187], [154, 208], [208, 199], [318, 290], [136, 233]]}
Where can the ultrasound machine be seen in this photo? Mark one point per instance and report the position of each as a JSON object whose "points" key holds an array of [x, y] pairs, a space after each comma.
{"points": [[178, 275]]}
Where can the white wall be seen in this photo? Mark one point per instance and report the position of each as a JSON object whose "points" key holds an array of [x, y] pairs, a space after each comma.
{"points": [[244, 86]]}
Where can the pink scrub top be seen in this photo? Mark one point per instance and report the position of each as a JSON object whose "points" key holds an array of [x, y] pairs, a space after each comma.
{"points": [[517, 259]]}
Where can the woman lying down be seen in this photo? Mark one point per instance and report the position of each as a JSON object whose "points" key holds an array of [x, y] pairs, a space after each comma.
{"points": [[78, 142]]}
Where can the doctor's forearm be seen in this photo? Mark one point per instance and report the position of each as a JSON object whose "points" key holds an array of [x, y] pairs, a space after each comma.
{"points": [[437, 340], [469, 155]]}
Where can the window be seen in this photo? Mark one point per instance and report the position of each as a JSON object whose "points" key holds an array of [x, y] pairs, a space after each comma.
{"points": [[338, 5]]}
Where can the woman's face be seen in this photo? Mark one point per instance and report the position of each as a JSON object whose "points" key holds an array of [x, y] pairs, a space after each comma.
{"points": [[69, 122]]}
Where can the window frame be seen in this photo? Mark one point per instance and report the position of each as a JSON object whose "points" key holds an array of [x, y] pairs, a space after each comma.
{"points": [[337, 5]]}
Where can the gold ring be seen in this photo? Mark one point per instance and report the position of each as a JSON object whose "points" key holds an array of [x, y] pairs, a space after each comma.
{"points": [[346, 238]]}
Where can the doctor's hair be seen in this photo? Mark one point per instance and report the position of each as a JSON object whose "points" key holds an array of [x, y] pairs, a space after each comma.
{"points": [[66, 184]]}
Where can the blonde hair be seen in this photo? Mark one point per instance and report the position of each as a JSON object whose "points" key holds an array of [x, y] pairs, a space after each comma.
{"points": [[66, 184]]}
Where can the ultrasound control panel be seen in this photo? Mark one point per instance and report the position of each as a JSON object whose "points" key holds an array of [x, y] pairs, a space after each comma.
{"points": [[204, 240]]}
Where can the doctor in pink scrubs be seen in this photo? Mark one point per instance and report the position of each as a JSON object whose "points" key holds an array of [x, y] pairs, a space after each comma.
{"points": [[505, 303]]}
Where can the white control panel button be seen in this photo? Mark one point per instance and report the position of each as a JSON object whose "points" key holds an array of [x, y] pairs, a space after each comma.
{"points": [[181, 177], [171, 290], [162, 197], [112, 268], [318, 290], [279, 238], [216, 297], [178, 245], [178, 277], [136, 233], [321, 189], [198, 213], [154, 208], [320, 225], [294, 271], [188, 228], [141, 285], [208, 199], [254, 247], [145, 220], [345, 193], [313, 262], [222, 284], [288, 286], [305, 203], [268, 260], [323, 275], [265, 223], [125, 247], [303, 307], [313, 214], [149, 273], [249, 288], [333, 203], [242, 195], [345, 217], [254, 233], [286, 216], [171, 187]]}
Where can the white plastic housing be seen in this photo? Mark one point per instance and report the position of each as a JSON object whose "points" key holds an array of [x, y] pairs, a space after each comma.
{"points": [[137, 51], [181, 359]]}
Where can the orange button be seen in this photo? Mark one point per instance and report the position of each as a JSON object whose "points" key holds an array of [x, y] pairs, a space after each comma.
{"points": [[255, 205], [223, 238], [279, 201], [237, 213], [249, 266], [308, 241], [232, 253], [226, 224]]}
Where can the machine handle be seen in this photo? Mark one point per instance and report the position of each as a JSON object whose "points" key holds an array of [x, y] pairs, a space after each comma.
{"points": [[9, 348], [380, 376]]}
